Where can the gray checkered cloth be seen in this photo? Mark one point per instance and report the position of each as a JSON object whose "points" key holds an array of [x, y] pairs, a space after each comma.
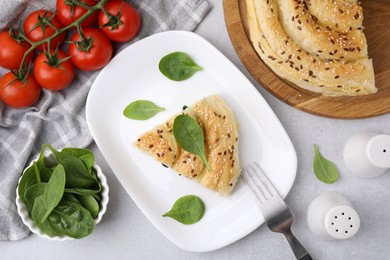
{"points": [[58, 118]]}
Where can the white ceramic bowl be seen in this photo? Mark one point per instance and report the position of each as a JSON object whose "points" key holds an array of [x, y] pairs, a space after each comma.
{"points": [[23, 213]]}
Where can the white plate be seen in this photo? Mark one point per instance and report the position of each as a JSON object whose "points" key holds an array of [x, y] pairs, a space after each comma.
{"points": [[133, 74]]}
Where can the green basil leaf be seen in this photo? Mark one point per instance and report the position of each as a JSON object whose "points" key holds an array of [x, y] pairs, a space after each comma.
{"points": [[324, 169], [71, 219], [189, 135], [188, 209], [54, 190], [141, 110], [178, 66], [77, 174], [90, 203]]}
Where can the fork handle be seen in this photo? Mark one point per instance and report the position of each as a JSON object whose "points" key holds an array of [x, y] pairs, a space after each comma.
{"points": [[299, 251]]}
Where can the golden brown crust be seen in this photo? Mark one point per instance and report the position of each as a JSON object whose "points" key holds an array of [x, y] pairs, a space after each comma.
{"points": [[339, 16], [307, 70], [221, 142], [317, 39]]}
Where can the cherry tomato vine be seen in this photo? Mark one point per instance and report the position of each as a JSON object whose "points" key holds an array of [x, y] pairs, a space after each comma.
{"points": [[116, 21]]}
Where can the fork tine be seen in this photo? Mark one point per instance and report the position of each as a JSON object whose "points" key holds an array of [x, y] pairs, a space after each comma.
{"points": [[251, 183], [265, 180], [276, 213]]}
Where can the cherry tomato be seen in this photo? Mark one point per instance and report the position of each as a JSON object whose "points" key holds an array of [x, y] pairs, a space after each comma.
{"points": [[129, 21], [11, 51], [51, 73], [37, 34], [18, 94], [67, 16], [95, 55]]}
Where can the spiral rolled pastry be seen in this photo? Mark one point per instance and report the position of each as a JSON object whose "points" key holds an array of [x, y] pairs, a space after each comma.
{"points": [[343, 16], [306, 30], [287, 39]]}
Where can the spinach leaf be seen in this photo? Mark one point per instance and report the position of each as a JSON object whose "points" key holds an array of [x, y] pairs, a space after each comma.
{"points": [[36, 173], [188, 209], [83, 191], [62, 198], [178, 66], [77, 175], [324, 169], [32, 192], [71, 219], [90, 203], [28, 179], [54, 190], [189, 135], [85, 155], [141, 110], [38, 211], [44, 171], [70, 197]]}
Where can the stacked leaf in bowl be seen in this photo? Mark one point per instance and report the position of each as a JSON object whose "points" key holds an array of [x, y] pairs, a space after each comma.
{"points": [[63, 195]]}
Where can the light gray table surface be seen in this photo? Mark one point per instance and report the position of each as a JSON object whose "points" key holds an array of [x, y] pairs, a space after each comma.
{"points": [[125, 233]]}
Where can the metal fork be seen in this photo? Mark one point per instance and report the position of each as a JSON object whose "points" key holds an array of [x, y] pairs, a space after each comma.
{"points": [[277, 215]]}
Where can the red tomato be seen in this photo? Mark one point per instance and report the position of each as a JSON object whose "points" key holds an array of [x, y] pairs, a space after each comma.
{"points": [[51, 74], [128, 25], [11, 51], [19, 94], [94, 56], [68, 16], [37, 34]]}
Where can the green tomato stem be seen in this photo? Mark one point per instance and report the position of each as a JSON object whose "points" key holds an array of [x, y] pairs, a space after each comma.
{"points": [[77, 23]]}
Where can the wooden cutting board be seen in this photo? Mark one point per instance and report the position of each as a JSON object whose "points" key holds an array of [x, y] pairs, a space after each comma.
{"points": [[377, 30]]}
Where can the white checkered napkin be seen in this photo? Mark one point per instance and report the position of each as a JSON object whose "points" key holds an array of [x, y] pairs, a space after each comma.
{"points": [[58, 118]]}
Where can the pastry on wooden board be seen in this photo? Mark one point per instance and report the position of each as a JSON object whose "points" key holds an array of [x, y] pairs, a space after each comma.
{"points": [[221, 145], [310, 48]]}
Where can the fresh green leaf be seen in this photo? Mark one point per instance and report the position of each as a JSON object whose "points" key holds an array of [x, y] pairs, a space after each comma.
{"points": [[85, 155], [90, 203], [28, 179], [93, 190], [43, 185], [189, 135], [178, 66], [141, 110], [38, 211], [188, 209], [33, 192], [70, 197], [71, 219], [36, 173], [324, 169], [44, 171], [54, 190], [77, 174], [83, 191]]}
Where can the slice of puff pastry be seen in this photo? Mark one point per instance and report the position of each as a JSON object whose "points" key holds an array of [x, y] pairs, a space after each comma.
{"points": [[297, 47], [221, 145]]}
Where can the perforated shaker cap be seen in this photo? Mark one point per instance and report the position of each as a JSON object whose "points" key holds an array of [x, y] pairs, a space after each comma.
{"points": [[331, 216], [342, 222]]}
